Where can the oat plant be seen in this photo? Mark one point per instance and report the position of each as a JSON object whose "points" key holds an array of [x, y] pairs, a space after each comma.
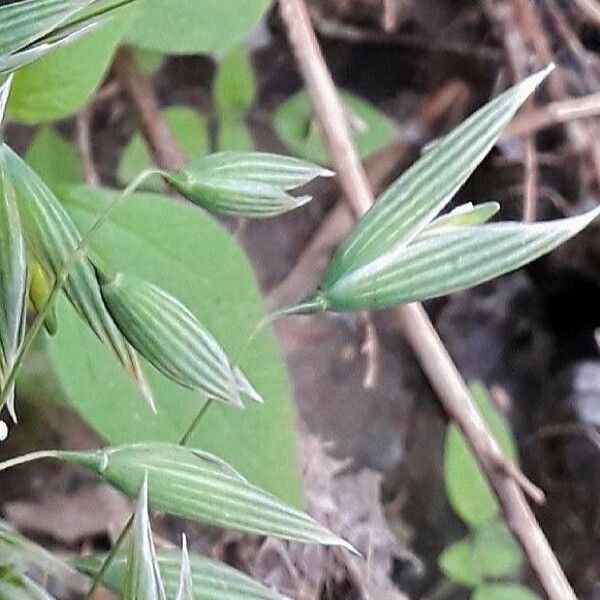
{"points": [[401, 251]]}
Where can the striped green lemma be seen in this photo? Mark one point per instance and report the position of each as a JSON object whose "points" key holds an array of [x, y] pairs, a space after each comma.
{"points": [[398, 253], [13, 283], [52, 238], [246, 184], [172, 339]]}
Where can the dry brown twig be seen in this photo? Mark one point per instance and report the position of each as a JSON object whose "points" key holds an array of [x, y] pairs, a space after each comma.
{"points": [[420, 333], [164, 147], [83, 127]]}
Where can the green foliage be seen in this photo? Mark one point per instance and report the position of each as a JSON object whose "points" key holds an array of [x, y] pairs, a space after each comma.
{"points": [[181, 249], [188, 127], [458, 562], [467, 488], [210, 578], [31, 29], [13, 282], [199, 486], [60, 84], [489, 552], [207, 26], [503, 591], [54, 159], [235, 85], [234, 93], [254, 185], [295, 124]]}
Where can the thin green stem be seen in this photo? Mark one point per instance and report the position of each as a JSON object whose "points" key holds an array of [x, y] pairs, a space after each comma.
{"points": [[27, 458], [110, 558], [63, 275]]}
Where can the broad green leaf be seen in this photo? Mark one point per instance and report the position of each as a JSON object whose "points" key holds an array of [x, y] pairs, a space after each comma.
{"points": [[142, 575], [172, 339], [13, 282], [58, 85], [190, 129], [454, 259], [186, 582], [458, 563], [468, 490], [195, 27], [148, 61], [234, 135], [503, 591], [296, 126], [198, 486], [497, 553], [52, 238], [54, 159], [235, 85], [409, 204], [246, 184], [211, 579], [185, 252]]}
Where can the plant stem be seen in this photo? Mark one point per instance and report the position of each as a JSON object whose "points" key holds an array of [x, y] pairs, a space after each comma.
{"points": [[62, 277], [108, 561]]}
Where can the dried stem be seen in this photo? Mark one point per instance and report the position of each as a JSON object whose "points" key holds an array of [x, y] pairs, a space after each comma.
{"points": [[423, 338]]}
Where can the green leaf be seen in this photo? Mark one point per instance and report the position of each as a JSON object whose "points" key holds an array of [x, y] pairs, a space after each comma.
{"points": [[458, 563], [409, 204], [201, 487], [234, 135], [295, 124], [246, 184], [235, 85], [503, 591], [210, 579], [54, 159], [33, 28], [468, 490], [188, 127], [185, 252], [172, 339], [52, 238], [142, 575], [454, 259], [13, 282], [60, 84], [195, 27], [497, 553]]}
